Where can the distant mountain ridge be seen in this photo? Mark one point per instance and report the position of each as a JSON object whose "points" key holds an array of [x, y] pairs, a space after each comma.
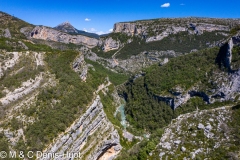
{"points": [[68, 28]]}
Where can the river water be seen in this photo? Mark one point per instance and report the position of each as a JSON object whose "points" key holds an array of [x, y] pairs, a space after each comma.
{"points": [[123, 116]]}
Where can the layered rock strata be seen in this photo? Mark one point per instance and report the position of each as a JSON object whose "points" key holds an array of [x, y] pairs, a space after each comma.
{"points": [[93, 129]]}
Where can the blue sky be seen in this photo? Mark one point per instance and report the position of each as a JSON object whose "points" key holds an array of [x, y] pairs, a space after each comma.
{"points": [[99, 16]]}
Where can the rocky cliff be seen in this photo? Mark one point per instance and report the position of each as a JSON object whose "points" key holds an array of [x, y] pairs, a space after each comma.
{"points": [[227, 89], [92, 135], [45, 33], [110, 44], [157, 39], [80, 66], [155, 30]]}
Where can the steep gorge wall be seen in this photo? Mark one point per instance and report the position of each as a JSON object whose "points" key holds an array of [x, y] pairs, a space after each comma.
{"points": [[92, 135], [228, 84]]}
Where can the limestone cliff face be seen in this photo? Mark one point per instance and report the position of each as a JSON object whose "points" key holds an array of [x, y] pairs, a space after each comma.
{"points": [[128, 28], [228, 89], [45, 33], [80, 66], [236, 39], [229, 54], [92, 135], [155, 30], [110, 44]]}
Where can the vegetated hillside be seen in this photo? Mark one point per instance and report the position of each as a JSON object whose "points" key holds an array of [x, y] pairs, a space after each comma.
{"points": [[212, 134], [41, 95], [41, 98], [149, 97], [20, 32], [46, 105], [181, 71], [181, 42], [115, 78], [178, 34], [196, 72], [13, 25]]}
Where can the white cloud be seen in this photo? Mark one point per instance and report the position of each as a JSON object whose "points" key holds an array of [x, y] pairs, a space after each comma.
{"points": [[165, 5], [182, 4], [93, 30], [87, 19], [100, 32], [85, 29], [110, 30]]}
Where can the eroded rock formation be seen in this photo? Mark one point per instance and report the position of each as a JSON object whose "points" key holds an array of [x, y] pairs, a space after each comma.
{"points": [[94, 129], [110, 44], [45, 33], [80, 66]]}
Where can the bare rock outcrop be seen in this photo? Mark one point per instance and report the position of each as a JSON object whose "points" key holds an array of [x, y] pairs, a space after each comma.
{"points": [[22, 45], [136, 62], [7, 33], [20, 92], [110, 44], [128, 28], [80, 66], [229, 54], [167, 32], [26, 31], [8, 62], [188, 133], [236, 39], [45, 33], [228, 89], [92, 135]]}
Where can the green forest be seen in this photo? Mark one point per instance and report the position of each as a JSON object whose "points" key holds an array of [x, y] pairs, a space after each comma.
{"points": [[181, 42], [145, 111]]}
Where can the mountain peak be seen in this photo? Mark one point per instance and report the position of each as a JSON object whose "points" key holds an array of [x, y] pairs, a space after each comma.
{"points": [[66, 27], [65, 23]]}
